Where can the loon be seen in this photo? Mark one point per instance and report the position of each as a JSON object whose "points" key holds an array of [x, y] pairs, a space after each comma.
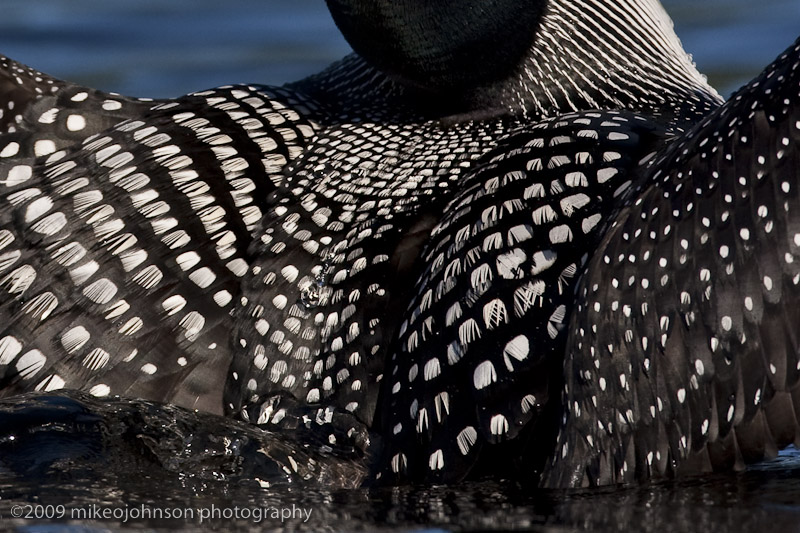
{"points": [[406, 257]]}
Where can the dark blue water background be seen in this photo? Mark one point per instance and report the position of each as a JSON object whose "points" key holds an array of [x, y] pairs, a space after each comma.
{"points": [[162, 48]]}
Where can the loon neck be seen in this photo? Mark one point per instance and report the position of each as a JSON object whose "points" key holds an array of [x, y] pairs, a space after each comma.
{"points": [[442, 45], [546, 58]]}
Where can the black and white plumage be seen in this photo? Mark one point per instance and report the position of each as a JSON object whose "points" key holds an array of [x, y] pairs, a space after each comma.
{"points": [[484, 333], [384, 252], [322, 313], [683, 351], [105, 269]]}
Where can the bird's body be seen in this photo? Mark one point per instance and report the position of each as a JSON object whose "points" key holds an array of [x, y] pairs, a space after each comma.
{"points": [[687, 357], [386, 256]]}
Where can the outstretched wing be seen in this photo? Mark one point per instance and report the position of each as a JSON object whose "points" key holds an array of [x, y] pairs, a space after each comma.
{"points": [[121, 255], [485, 327], [683, 351]]}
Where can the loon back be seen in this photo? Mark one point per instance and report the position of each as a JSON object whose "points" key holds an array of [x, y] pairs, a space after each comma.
{"points": [[336, 254], [243, 141], [138, 235]]}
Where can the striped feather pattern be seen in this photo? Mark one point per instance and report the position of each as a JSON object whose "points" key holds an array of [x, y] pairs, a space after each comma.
{"points": [[348, 257]]}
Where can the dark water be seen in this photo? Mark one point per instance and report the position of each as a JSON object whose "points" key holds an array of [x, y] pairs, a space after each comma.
{"points": [[82, 470], [170, 47], [765, 498]]}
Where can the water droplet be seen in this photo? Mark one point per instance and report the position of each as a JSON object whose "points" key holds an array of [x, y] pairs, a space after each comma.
{"points": [[310, 296]]}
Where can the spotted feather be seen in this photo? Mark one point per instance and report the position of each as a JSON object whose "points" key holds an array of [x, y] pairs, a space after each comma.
{"points": [[688, 359], [482, 338], [110, 282]]}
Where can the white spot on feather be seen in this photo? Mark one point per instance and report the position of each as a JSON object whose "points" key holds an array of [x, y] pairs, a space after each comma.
{"points": [[30, 363], [10, 347], [466, 438], [484, 375], [517, 348]]}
